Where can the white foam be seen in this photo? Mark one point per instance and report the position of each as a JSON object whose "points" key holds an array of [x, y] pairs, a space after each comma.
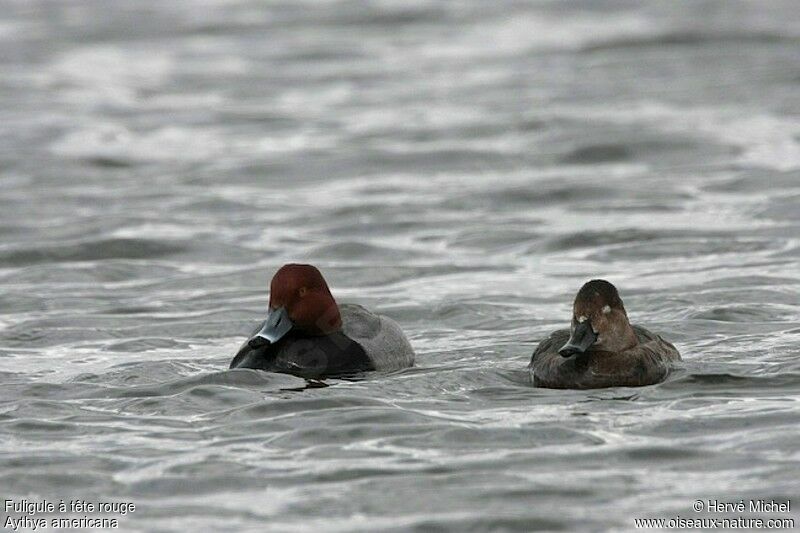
{"points": [[117, 142], [111, 74]]}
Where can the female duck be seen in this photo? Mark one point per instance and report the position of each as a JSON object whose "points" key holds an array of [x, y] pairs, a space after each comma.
{"points": [[307, 334], [601, 349]]}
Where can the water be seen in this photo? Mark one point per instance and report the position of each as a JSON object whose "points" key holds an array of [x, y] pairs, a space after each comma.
{"points": [[461, 167]]}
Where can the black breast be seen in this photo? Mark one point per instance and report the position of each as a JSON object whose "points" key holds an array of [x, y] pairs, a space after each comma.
{"points": [[334, 355]]}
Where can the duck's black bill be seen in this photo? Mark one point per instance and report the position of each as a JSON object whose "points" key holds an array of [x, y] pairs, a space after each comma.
{"points": [[275, 327], [582, 337]]}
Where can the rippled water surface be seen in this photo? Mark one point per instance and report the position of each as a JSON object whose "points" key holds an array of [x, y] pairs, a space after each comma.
{"points": [[462, 167]]}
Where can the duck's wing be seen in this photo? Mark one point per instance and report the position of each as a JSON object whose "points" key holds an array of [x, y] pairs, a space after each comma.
{"points": [[550, 345], [381, 337], [549, 369], [655, 346]]}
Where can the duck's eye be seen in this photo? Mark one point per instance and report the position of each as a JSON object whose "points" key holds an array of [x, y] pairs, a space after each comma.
{"points": [[302, 292]]}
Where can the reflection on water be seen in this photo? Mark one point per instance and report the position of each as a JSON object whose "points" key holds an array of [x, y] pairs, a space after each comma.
{"points": [[461, 167]]}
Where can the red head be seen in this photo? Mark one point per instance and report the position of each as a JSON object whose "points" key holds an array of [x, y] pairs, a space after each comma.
{"points": [[305, 295]]}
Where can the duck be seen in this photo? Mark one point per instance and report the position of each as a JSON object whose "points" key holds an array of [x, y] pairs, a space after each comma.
{"points": [[601, 348], [307, 334]]}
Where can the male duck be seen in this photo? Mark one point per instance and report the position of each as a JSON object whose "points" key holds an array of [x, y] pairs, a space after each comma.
{"points": [[307, 334], [602, 349]]}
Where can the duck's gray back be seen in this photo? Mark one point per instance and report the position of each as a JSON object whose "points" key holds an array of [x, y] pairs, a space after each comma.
{"points": [[382, 339]]}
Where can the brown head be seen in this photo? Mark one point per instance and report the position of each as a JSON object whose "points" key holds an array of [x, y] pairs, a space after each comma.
{"points": [[599, 321], [299, 300]]}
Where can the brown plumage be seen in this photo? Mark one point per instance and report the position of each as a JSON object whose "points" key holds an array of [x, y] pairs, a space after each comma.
{"points": [[601, 349]]}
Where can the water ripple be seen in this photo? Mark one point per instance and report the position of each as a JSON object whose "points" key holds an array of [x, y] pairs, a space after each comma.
{"points": [[460, 167]]}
